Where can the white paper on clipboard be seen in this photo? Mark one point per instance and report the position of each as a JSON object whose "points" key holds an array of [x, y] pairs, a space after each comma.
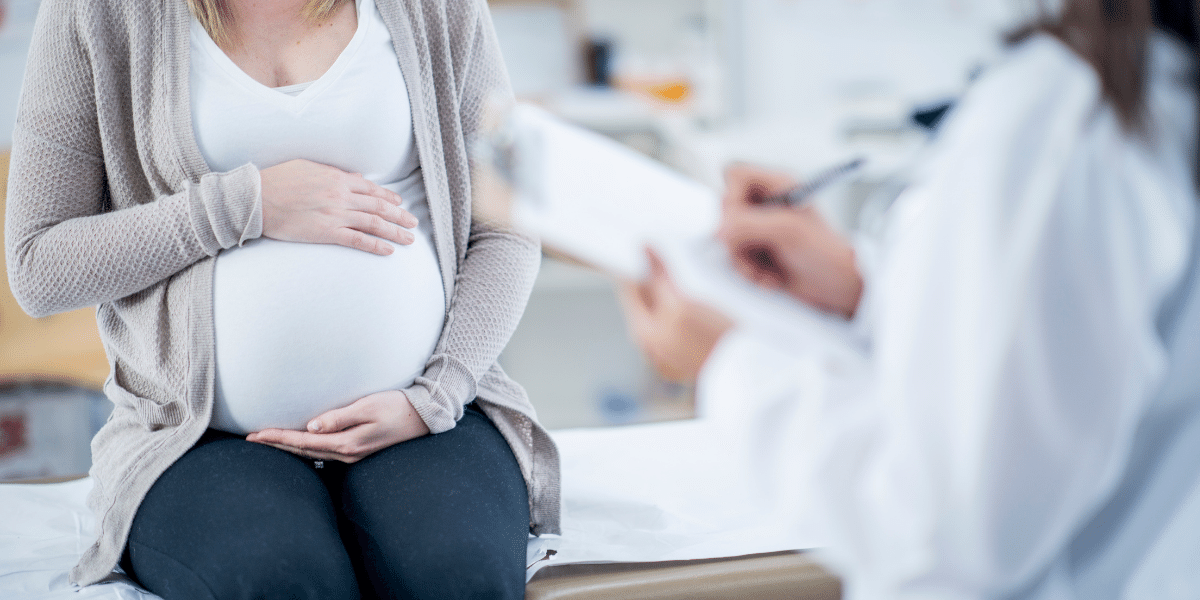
{"points": [[593, 199]]}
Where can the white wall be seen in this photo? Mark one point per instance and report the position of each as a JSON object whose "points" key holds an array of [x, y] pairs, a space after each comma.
{"points": [[777, 55], [798, 51], [801, 74], [650, 28]]}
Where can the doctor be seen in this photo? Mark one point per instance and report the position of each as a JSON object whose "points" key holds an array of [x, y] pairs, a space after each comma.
{"points": [[1018, 415]]}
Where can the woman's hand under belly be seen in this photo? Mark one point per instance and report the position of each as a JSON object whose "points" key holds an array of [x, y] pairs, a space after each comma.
{"points": [[352, 433], [302, 329]]}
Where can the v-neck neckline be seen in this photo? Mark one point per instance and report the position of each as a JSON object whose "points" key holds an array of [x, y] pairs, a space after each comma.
{"points": [[276, 96]]}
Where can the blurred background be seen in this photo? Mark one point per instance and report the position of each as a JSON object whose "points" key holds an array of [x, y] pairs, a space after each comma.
{"points": [[794, 84]]}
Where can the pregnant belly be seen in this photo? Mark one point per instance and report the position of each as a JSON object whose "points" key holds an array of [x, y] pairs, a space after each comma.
{"points": [[305, 328]]}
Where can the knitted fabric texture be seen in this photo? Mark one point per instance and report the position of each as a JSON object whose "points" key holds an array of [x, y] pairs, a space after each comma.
{"points": [[111, 204]]}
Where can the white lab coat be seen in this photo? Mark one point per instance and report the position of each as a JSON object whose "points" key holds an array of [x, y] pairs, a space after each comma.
{"points": [[1023, 417]]}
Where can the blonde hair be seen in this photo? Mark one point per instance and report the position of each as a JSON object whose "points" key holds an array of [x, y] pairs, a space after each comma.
{"points": [[214, 15]]}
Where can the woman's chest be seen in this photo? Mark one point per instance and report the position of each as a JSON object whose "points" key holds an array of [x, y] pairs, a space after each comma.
{"points": [[356, 116], [279, 48]]}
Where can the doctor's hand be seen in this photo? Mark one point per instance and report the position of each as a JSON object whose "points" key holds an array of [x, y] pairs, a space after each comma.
{"points": [[791, 249], [795, 251], [304, 201], [351, 433], [676, 332]]}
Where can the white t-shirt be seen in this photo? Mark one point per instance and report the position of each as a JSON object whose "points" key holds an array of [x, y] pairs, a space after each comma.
{"points": [[305, 328]]}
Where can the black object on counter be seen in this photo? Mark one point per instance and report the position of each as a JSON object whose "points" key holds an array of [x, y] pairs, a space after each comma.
{"points": [[598, 58]]}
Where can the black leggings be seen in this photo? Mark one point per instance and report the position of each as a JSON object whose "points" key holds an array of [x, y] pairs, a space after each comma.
{"points": [[442, 516]]}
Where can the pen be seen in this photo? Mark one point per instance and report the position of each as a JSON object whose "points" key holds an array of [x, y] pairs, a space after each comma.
{"points": [[800, 194]]}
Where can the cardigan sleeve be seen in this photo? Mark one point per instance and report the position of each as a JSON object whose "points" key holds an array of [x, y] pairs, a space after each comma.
{"points": [[66, 247], [497, 273]]}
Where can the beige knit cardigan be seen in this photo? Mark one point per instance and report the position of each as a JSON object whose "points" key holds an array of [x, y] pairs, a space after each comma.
{"points": [[111, 204]]}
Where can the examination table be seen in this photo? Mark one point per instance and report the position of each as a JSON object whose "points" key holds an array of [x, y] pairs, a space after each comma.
{"points": [[45, 526]]}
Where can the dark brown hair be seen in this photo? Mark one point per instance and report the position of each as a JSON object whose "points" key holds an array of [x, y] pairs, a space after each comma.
{"points": [[1111, 35]]}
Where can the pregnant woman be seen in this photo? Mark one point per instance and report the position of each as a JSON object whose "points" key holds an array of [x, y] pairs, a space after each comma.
{"points": [[270, 203]]}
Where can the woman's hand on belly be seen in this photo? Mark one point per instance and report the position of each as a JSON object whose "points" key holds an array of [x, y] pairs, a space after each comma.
{"points": [[304, 201], [352, 433]]}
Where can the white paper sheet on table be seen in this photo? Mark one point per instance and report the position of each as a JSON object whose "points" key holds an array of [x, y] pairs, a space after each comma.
{"points": [[43, 532], [723, 484]]}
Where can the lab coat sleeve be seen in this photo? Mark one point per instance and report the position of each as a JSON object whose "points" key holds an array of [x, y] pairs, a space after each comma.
{"points": [[1013, 350]]}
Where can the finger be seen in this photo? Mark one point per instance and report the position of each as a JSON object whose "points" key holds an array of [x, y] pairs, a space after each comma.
{"points": [[290, 441], [379, 227], [362, 185], [755, 193], [341, 419], [379, 206], [769, 226], [658, 269], [661, 289], [737, 176], [744, 267], [750, 249], [638, 312], [631, 299], [316, 445], [658, 286], [352, 238], [308, 454], [759, 264], [370, 188], [748, 186], [284, 437], [764, 268]]}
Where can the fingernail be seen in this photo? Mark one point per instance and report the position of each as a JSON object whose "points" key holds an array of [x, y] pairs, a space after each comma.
{"points": [[314, 427]]}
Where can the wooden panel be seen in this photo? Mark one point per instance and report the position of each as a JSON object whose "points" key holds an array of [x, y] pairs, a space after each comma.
{"points": [[775, 576], [46, 480], [64, 347]]}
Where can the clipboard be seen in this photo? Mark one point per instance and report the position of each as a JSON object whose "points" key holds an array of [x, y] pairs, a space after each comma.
{"points": [[600, 204]]}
